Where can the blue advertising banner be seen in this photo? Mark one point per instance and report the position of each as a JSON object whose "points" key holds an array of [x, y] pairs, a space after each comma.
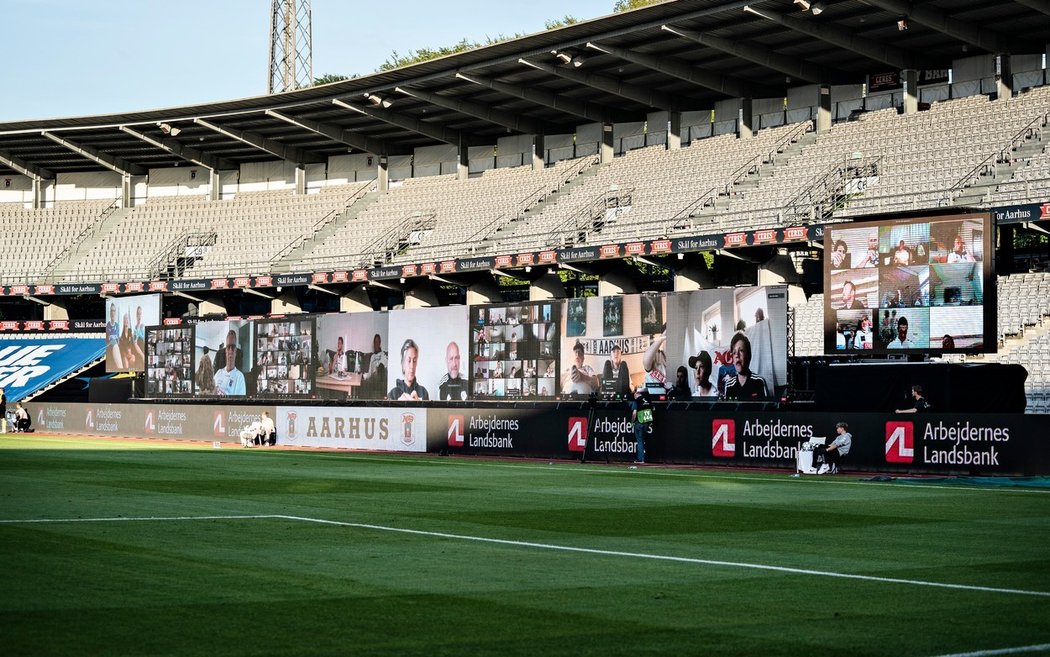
{"points": [[29, 365]]}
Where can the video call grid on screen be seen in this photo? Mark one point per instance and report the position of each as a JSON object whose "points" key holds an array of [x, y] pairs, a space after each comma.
{"points": [[514, 350], [169, 362], [910, 285], [284, 357]]}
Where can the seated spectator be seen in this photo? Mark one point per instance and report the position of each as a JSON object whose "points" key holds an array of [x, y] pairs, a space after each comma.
{"points": [[23, 422], [838, 448]]}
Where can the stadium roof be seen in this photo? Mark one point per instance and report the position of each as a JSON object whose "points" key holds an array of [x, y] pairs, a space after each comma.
{"points": [[680, 55]]}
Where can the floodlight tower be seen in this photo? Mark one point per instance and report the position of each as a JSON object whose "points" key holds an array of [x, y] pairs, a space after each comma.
{"points": [[291, 45]]}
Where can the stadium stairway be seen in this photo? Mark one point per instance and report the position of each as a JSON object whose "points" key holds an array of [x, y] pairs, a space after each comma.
{"points": [[305, 248], [67, 263], [782, 158], [1004, 165], [578, 176], [752, 177]]}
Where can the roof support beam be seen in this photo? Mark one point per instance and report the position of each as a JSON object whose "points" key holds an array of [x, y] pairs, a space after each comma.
{"points": [[611, 85], [116, 164], [25, 168], [265, 144], [335, 133], [185, 152], [843, 38], [676, 68], [581, 109], [510, 121], [798, 69], [1042, 6], [402, 120], [935, 19]]}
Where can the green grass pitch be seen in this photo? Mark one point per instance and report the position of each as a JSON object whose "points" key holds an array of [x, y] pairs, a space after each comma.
{"points": [[160, 549]]}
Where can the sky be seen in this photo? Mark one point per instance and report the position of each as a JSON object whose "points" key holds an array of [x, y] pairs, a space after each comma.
{"points": [[71, 58]]}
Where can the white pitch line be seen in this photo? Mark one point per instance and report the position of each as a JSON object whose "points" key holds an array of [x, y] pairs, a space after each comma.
{"points": [[132, 519], [564, 548], [1001, 651], [662, 557]]}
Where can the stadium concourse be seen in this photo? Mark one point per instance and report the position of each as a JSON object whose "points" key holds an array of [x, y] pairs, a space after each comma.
{"points": [[644, 159]]}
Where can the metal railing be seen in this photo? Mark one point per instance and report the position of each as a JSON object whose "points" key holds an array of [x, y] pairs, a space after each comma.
{"points": [[682, 220], [49, 268], [591, 218], [987, 166], [830, 190], [540, 195], [383, 249], [181, 254], [358, 194]]}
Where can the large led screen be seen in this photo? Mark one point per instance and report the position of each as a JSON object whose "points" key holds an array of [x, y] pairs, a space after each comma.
{"points": [[223, 354], [352, 355], [284, 357], [126, 322], [426, 354], [169, 361], [727, 343], [513, 351], [910, 285], [606, 345], [724, 343]]}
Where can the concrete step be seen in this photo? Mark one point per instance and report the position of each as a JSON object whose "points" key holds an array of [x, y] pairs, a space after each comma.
{"points": [[336, 225], [72, 259]]}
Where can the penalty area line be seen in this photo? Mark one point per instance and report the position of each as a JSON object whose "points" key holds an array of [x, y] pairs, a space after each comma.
{"points": [[29, 521], [663, 557], [1001, 651]]}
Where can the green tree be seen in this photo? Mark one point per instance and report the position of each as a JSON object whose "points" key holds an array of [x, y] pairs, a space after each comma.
{"points": [[627, 5], [397, 60], [328, 78], [567, 19]]}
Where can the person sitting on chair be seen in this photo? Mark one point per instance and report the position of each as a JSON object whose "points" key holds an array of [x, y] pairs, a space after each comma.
{"points": [[838, 448], [22, 419], [267, 431]]}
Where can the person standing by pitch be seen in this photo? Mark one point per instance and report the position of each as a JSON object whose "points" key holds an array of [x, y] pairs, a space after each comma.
{"points": [[642, 417]]}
